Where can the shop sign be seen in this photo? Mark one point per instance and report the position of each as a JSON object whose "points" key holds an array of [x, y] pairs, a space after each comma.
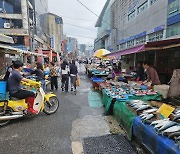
{"points": [[52, 42], [166, 110], [16, 32], [159, 28]]}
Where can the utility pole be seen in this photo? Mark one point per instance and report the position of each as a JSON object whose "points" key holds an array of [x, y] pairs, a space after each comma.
{"points": [[31, 32]]}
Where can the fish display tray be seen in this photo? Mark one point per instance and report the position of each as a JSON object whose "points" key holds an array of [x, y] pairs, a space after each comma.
{"points": [[108, 144]]}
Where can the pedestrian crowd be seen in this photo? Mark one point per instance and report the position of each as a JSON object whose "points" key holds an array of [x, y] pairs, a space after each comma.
{"points": [[67, 70]]}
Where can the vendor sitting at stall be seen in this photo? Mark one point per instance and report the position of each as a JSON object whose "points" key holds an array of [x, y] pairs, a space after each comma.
{"points": [[140, 72], [152, 75]]}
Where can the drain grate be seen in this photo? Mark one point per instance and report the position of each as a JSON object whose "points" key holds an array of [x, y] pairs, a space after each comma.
{"points": [[109, 144]]}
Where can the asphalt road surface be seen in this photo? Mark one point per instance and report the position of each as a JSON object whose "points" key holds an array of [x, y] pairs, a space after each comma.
{"points": [[49, 134]]}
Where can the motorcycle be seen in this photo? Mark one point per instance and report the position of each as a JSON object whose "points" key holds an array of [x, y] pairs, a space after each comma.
{"points": [[13, 108]]}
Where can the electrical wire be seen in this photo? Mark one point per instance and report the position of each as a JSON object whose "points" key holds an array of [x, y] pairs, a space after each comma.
{"points": [[79, 27], [80, 36], [78, 19], [122, 32]]}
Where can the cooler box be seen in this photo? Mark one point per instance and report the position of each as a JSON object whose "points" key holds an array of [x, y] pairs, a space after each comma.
{"points": [[3, 91]]}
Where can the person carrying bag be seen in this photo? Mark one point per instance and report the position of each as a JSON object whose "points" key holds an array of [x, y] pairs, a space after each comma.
{"points": [[65, 76], [73, 75]]}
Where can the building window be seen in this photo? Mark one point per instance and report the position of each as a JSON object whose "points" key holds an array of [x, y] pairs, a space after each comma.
{"points": [[153, 1], [131, 15], [174, 8], [130, 43], [173, 30], [155, 36], [122, 46], [143, 7], [141, 40]]}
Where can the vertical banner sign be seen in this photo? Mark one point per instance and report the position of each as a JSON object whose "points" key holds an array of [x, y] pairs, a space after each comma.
{"points": [[53, 42]]}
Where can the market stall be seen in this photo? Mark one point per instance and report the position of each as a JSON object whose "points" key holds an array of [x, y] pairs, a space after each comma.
{"points": [[141, 109], [153, 142]]}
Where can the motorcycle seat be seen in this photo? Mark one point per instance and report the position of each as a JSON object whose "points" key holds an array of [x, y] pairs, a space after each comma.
{"points": [[14, 99]]}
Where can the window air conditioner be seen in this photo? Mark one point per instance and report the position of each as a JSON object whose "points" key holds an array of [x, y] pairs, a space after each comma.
{"points": [[7, 25]]}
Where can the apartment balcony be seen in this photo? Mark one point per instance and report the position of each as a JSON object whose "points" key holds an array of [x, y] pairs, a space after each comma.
{"points": [[10, 16], [14, 32]]}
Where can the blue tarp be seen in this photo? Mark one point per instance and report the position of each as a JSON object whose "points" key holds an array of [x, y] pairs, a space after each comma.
{"points": [[155, 143]]}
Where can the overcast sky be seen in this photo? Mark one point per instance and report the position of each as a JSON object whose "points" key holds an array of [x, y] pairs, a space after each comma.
{"points": [[72, 9]]}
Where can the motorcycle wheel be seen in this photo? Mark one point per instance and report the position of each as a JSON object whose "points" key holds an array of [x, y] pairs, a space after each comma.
{"points": [[8, 112], [51, 106]]}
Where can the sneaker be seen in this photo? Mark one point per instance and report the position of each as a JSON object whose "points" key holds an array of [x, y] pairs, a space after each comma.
{"points": [[62, 89], [71, 89]]}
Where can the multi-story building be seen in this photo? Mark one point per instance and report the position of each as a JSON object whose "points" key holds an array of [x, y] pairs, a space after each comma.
{"points": [[54, 30], [173, 21], [40, 9], [72, 44], [103, 40], [143, 28], [20, 19], [82, 47], [64, 45], [136, 21], [125, 24]]}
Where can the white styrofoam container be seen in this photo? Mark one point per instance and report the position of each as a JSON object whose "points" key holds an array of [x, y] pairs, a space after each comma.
{"points": [[162, 89]]}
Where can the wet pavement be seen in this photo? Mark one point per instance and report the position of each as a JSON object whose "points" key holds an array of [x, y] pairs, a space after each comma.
{"points": [[62, 132]]}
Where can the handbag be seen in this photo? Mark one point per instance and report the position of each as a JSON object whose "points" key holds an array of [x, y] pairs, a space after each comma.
{"points": [[78, 81]]}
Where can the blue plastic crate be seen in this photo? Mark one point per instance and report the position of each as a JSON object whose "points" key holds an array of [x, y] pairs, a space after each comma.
{"points": [[95, 79]]}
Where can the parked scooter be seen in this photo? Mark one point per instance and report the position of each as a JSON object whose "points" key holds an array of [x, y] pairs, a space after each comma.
{"points": [[13, 108]]}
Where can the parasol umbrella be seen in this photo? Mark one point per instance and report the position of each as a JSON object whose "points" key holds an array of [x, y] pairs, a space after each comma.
{"points": [[100, 53]]}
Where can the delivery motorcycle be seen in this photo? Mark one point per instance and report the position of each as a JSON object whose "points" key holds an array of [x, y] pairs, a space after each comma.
{"points": [[13, 108]]}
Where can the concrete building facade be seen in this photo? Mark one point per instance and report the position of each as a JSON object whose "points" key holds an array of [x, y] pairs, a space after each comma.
{"points": [[173, 21], [54, 30], [104, 27], [125, 24], [18, 20], [82, 47], [72, 44], [139, 21]]}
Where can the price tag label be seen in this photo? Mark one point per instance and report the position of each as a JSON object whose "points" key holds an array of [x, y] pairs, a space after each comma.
{"points": [[166, 110]]}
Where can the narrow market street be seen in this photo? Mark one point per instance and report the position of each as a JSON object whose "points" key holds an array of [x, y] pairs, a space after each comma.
{"points": [[61, 132]]}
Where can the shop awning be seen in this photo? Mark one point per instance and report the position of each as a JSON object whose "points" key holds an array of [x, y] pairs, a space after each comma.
{"points": [[136, 49], [47, 53], [9, 49], [163, 44], [149, 46], [6, 39]]}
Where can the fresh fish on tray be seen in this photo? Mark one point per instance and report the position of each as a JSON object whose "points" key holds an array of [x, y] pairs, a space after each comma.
{"points": [[172, 129], [178, 138], [143, 107], [176, 117], [149, 116], [158, 121], [166, 126], [150, 111], [142, 115], [175, 134], [165, 122]]}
